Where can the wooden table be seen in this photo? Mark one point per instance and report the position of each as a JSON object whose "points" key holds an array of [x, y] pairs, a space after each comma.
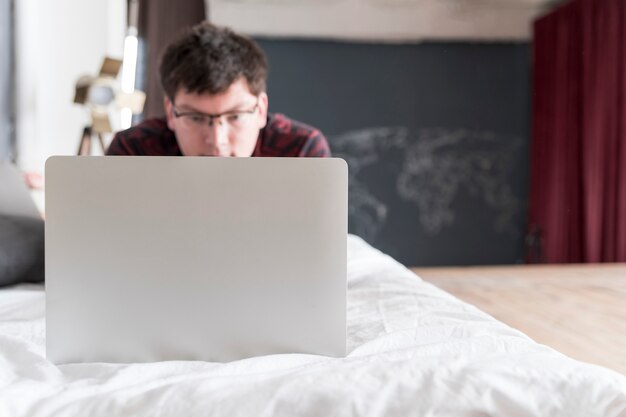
{"points": [[578, 309]]}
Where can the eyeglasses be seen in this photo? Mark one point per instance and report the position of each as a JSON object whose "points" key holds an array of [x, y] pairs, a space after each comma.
{"points": [[234, 119]]}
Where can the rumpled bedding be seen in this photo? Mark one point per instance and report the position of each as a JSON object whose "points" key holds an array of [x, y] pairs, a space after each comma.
{"points": [[414, 350]]}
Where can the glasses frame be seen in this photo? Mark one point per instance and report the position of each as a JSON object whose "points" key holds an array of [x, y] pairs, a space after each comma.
{"points": [[214, 116]]}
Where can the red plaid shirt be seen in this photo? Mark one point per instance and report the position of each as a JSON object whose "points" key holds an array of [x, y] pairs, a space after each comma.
{"points": [[280, 137]]}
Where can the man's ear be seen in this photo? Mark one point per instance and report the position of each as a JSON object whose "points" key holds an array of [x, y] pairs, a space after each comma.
{"points": [[263, 106], [169, 112]]}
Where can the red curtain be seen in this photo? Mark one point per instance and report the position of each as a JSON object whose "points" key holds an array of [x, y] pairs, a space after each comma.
{"points": [[578, 171]]}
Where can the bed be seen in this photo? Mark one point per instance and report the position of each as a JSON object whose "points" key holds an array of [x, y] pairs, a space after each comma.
{"points": [[412, 350]]}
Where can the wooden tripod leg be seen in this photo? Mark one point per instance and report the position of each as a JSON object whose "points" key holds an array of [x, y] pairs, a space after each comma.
{"points": [[101, 140], [85, 142]]}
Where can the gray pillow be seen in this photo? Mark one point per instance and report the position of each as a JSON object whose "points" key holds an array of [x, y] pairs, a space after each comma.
{"points": [[22, 252]]}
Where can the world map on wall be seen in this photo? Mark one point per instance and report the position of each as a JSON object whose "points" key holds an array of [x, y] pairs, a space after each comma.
{"points": [[428, 168]]}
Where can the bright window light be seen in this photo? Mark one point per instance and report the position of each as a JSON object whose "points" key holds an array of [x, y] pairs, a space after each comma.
{"points": [[126, 118], [129, 64]]}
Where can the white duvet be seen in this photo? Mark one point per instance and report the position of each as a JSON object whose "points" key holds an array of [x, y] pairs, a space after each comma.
{"points": [[414, 350]]}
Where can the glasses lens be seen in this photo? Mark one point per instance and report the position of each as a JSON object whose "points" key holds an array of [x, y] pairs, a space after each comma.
{"points": [[192, 120], [237, 120], [234, 120]]}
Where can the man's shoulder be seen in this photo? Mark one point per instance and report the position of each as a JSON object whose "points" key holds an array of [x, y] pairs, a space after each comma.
{"points": [[146, 128], [283, 136], [277, 122], [150, 137]]}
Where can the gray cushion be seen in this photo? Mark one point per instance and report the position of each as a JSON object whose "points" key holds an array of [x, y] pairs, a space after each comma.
{"points": [[22, 252]]}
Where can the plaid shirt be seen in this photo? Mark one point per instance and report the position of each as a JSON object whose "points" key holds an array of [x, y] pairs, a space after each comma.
{"points": [[280, 137]]}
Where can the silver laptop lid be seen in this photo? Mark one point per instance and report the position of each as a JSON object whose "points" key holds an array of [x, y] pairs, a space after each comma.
{"points": [[217, 259]]}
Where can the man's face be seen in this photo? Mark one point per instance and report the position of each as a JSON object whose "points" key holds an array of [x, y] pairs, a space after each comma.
{"points": [[225, 124]]}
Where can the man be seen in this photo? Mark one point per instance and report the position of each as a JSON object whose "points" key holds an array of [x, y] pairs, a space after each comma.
{"points": [[216, 105]]}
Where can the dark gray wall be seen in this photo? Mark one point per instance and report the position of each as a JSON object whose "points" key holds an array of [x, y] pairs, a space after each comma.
{"points": [[6, 79], [435, 135]]}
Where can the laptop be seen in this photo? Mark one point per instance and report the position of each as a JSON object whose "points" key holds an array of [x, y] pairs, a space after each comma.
{"points": [[194, 258]]}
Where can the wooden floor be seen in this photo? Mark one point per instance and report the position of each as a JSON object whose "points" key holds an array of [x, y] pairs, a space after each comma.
{"points": [[579, 310]]}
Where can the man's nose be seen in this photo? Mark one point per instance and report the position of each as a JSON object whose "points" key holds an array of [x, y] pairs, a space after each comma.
{"points": [[217, 135]]}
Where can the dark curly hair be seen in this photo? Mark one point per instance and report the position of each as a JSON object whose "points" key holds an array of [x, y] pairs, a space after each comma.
{"points": [[207, 59]]}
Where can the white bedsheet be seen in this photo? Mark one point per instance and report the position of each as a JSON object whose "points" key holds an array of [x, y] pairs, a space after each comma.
{"points": [[414, 350]]}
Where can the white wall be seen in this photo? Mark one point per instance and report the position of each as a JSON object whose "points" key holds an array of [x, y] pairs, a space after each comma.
{"points": [[57, 42], [381, 20], [6, 74]]}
